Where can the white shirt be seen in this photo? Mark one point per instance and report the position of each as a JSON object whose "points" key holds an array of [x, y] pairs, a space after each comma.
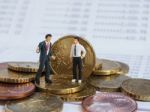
{"points": [[79, 49], [48, 47]]}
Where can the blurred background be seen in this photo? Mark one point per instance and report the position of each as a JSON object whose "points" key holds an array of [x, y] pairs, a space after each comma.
{"points": [[117, 29]]}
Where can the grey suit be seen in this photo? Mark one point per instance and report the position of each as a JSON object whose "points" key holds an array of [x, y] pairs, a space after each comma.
{"points": [[44, 61]]}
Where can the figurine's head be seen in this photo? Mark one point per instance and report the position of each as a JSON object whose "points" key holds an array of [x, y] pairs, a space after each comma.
{"points": [[76, 40], [48, 37]]}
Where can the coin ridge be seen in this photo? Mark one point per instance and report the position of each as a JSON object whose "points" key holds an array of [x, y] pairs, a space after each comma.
{"points": [[21, 69]]}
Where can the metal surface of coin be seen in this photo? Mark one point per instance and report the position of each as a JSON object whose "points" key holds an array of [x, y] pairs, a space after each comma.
{"points": [[39, 102], [59, 86], [110, 83], [124, 68], [109, 102], [98, 65], [23, 66], [108, 67], [15, 91], [63, 65], [9, 76], [138, 89], [79, 96], [62, 77]]}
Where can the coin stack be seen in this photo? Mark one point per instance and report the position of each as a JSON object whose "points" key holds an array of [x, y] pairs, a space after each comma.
{"points": [[18, 91], [15, 84], [108, 75]]}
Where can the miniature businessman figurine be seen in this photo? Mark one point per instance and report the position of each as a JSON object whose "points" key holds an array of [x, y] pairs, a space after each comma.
{"points": [[77, 53], [44, 48]]}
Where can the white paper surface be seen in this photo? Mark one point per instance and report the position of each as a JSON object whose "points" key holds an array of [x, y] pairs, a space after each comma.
{"points": [[117, 29]]}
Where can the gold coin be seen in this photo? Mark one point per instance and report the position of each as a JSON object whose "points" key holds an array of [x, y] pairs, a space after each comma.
{"points": [[108, 67], [23, 66], [138, 89], [79, 96], [61, 49], [62, 77], [59, 86], [9, 76], [98, 65], [110, 83], [39, 102], [124, 68]]}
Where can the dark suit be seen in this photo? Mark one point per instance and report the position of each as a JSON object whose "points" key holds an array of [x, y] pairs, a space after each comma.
{"points": [[44, 61]]}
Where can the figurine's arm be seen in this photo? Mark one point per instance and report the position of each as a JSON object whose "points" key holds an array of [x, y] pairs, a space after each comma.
{"points": [[71, 52], [83, 51], [38, 49]]}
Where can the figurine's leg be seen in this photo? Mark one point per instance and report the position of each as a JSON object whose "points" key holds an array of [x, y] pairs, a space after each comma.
{"points": [[47, 70], [39, 72], [80, 68], [74, 68]]}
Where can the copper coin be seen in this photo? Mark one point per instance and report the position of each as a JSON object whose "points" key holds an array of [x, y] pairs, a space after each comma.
{"points": [[109, 102], [138, 89], [79, 96], [24, 66], [110, 83], [9, 76], [59, 86], [61, 49], [109, 67], [39, 102], [15, 91]]}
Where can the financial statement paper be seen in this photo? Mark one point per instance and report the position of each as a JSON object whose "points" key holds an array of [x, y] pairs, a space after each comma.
{"points": [[117, 30]]}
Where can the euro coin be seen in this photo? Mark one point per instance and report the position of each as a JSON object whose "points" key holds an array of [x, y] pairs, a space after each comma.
{"points": [[138, 89], [63, 63]]}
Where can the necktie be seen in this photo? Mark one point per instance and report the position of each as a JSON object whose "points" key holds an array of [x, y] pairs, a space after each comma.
{"points": [[75, 50], [47, 46]]}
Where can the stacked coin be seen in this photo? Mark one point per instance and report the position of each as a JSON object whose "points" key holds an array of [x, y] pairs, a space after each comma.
{"points": [[60, 86], [23, 66], [9, 76], [108, 75]]}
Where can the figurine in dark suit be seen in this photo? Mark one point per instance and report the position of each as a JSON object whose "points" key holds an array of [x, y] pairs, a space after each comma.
{"points": [[44, 48]]}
